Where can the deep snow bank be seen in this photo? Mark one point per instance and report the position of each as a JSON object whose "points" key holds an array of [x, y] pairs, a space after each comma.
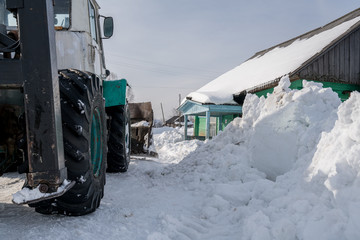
{"points": [[285, 170], [336, 164], [288, 125], [275, 133]]}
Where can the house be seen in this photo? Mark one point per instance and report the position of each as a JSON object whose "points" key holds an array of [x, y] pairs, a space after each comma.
{"points": [[209, 118], [329, 54]]}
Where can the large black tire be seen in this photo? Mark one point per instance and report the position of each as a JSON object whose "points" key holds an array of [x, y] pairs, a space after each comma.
{"points": [[118, 158], [84, 134]]}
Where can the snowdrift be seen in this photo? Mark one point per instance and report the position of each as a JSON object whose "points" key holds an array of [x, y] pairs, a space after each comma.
{"points": [[289, 169]]}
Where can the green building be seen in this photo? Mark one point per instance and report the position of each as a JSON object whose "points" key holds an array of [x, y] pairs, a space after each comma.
{"points": [[209, 118]]}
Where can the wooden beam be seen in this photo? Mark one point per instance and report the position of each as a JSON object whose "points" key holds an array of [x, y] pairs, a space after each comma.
{"points": [[185, 126], [207, 124]]}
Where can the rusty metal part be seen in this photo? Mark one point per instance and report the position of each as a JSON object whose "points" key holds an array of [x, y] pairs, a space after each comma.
{"points": [[49, 178], [43, 188], [141, 136]]}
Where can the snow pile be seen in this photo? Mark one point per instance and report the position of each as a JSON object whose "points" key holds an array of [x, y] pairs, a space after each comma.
{"points": [[336, 165], [269, 175], [267, 67], [288, 126], [274, 133], [170, 145]]}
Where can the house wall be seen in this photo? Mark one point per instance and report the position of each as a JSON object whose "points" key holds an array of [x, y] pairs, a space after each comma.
{"points": [[340, 63], [200, 126], [226, 119]]}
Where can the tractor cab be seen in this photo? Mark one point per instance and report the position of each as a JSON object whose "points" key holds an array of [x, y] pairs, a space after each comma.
{"points": [[78, 34]]}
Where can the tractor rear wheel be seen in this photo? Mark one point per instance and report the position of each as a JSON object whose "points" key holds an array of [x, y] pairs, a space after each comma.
{"points": [[118, 157], [84, 134]]}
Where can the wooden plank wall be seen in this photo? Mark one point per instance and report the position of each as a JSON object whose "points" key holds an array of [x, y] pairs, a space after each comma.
{"points": [[341, 63]]}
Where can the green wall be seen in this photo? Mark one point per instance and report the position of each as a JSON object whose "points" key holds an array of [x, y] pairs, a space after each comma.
{"points": [[341, 89], [200, 124]]}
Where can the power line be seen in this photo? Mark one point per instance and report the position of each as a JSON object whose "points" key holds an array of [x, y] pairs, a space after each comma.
{"points": [[160, 71], [165, 87], [166, 65]]}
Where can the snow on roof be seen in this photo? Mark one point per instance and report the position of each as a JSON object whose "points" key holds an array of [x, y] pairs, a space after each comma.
{"points": [[269, 65]]}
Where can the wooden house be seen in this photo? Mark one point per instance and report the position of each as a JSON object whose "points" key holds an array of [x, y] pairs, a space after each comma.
{"points": [[337, 65], [329, 54]]}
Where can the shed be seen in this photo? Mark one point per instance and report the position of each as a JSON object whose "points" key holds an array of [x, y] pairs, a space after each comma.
{"points": [[329, 54], [209, 118], [177, 121]]}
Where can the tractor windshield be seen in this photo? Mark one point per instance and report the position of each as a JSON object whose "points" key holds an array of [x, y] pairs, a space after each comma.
{"points": [[61, 11]]}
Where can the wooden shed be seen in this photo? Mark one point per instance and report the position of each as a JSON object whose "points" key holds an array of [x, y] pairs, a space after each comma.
{"points": [[177, 121], [209, 118]]}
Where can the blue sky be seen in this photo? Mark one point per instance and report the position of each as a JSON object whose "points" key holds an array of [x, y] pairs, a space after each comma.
{"points": [[169, 47]]}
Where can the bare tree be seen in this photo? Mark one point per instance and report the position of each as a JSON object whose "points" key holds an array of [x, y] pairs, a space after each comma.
{"points": [[112, 76], [130, 94]]}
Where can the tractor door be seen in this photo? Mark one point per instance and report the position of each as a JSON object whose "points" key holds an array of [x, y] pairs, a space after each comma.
{"points": [[96, 51]]}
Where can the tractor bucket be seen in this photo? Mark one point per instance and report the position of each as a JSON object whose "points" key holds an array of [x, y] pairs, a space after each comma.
{"points": [[142, 118]]}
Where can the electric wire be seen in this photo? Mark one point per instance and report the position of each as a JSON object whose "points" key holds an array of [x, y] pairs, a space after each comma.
{"points": [[144, 65], [162, 64]]}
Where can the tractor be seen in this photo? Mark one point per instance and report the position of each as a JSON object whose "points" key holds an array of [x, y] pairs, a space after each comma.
{"points": [[61, 122]]}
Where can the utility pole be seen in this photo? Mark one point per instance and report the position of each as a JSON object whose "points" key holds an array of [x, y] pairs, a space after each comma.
{"points": [[162, 110], [179, 106]]}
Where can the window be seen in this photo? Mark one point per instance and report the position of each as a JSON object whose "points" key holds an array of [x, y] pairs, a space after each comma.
{"points": [[6, 17], [92, 21], [62, 14]]}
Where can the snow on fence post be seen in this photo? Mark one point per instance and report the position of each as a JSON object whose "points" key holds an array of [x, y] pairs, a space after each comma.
{"points": [[207, 124]]}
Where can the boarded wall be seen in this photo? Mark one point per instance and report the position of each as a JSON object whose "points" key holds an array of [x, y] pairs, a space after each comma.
{"points": [[340, 63]]}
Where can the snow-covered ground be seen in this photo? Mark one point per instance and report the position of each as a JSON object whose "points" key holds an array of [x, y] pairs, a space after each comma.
{"points": [[289, 169]]}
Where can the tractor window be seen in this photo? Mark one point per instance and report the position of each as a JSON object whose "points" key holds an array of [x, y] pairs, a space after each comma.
{"points": [[92, 21], [3, 13], [6, 17], [62, 14], [61, 11]]}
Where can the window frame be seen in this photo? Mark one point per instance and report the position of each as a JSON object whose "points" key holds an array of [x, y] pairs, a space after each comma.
{"points": [[93, 26]]}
